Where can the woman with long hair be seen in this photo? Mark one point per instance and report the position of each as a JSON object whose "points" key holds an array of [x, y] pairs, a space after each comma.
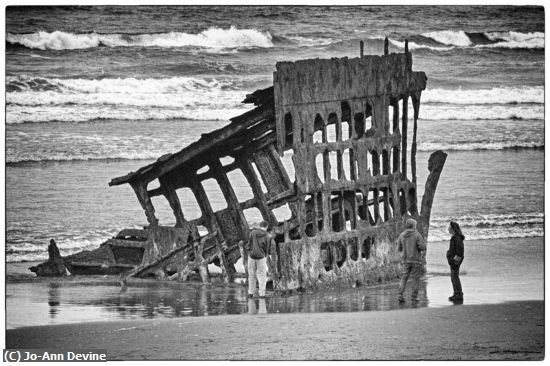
{"points": [[455, 256]]}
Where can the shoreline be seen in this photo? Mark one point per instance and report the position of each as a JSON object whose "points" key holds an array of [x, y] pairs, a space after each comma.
{"points": [[508, 331], [485, 276], [21, 267]]}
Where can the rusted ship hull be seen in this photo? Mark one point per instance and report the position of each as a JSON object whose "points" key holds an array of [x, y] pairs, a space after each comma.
{"points": [[345, 122]]}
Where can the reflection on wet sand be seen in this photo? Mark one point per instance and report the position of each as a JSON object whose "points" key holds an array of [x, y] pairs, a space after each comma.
{"points": [[257, 306], [53, 299], [487, 279], [144, 299]]}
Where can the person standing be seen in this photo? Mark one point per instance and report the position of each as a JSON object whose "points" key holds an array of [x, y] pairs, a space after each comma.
{"points": [[258, 247], [412, 245], [455, 256]]}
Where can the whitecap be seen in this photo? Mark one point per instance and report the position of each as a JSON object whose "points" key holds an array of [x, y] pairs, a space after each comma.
{"points": [[210, 38]]}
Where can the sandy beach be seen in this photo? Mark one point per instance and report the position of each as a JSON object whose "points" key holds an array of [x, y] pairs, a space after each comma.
{"points": [[171, 320], [510, 331]]}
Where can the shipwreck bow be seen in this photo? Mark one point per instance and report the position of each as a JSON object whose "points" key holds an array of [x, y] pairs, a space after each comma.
{"points": [[352, 185]]}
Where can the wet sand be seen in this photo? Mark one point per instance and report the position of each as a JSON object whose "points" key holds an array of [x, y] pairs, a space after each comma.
{"points": [[486, 278], [173, 320], [509, 331]]}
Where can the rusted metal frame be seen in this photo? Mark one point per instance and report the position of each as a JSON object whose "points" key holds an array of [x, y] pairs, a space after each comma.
{"points": [[140, 188], [395, 116], [201, 221], [386, 200], [246, 137], [355, 209], [360, 183], [326, 160], [435, 166], [375, 156], [279, 122], [199, 263], [352, 164], [406, 188], [297, 128], [230, 196], [154, 170], [368, 216], [250, 203], [404, 137], [212, 223], [340, 165], [257, 145], [173, 199], [342, 210], [301, 211], [386, 161], [286, 231], [253, 180], [327, 211], [272, 153], [331, 146], [395, 157], [416, 105], [376, 204], [204, 204], [234, 146], [385, 103], [351, 134], [142, 268], [315, 213], [159, 191], [210, 174], [393, 187], [339, 160], [326, 165], [179, 175], [268, 167], [287, 196]]}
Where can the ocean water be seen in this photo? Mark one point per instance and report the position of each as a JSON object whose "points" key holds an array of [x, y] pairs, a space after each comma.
{"points": [[95, 92]]}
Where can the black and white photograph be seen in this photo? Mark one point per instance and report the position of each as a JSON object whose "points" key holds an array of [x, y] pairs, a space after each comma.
{"points": [[250, 182]]}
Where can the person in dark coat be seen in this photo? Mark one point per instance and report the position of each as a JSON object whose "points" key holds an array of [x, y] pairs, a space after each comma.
{"points": [[455, 256]]}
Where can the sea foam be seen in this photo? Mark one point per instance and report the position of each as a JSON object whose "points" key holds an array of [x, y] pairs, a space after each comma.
{"points": [[453, 38], [500, 95], [450, 39], [481, 112], [490, 226], [44, 100], [210, 38]]}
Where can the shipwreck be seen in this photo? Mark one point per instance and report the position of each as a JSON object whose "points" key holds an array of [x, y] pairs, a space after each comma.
{"points": [[345, 122]]}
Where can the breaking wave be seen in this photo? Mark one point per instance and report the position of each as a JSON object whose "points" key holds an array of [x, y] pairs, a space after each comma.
{"points": [[35, 99], [449, 39], [29, 250], [481, 112], [501, 145], [502, 95], [490, 226], [499, 103], [211, 38], [77, 100]]}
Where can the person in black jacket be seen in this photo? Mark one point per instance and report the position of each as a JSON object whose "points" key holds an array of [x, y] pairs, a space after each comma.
{"points": [[455, 256]]}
